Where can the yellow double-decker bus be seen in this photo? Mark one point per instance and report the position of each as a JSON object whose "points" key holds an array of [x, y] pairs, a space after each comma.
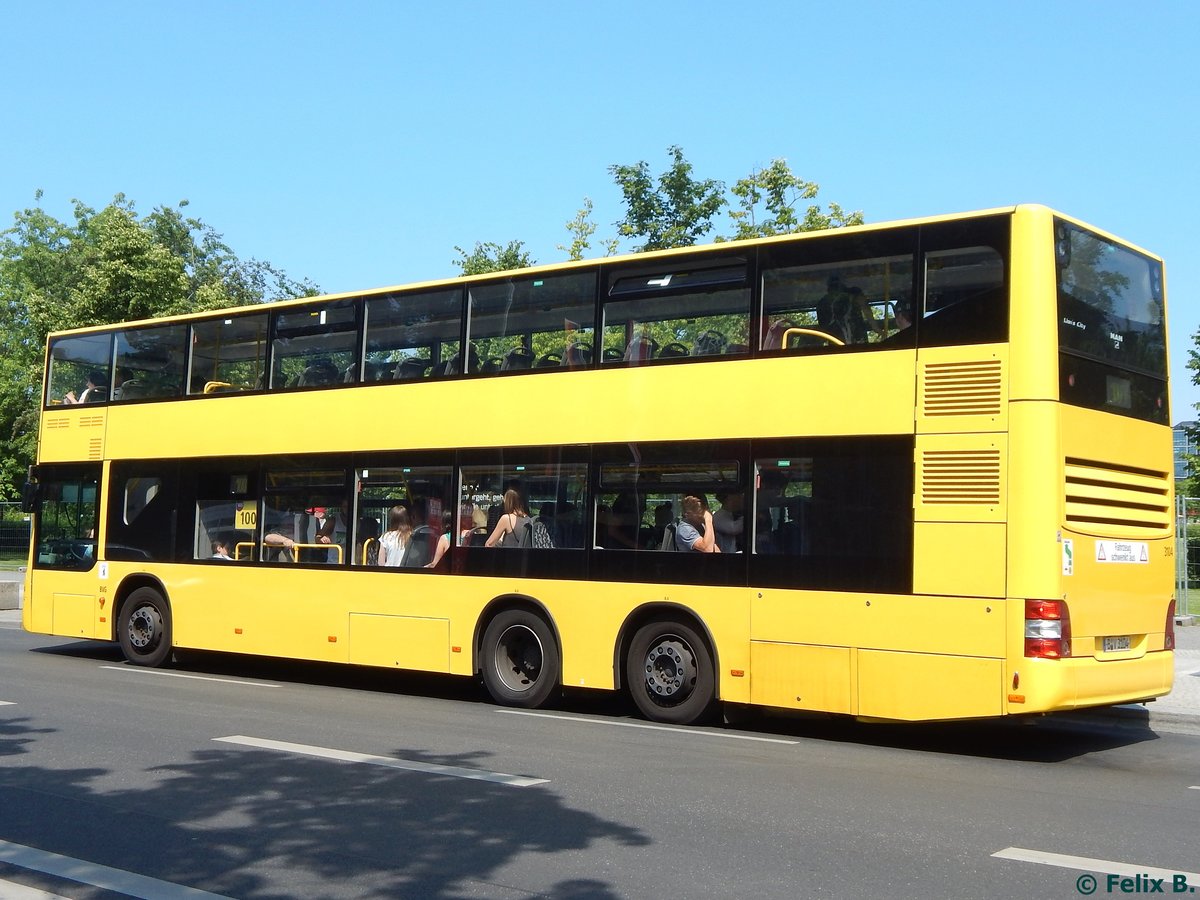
{"points": [[914, 470]]}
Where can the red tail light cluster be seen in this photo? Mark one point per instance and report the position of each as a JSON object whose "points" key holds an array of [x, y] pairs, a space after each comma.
{"points": [[1047, 629]]}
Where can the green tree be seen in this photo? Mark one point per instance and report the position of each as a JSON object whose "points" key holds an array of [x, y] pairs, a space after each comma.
{"points": [[492, 257], [679, 210], [106, 266], [779, 192], [674, 212], [581, 229]]}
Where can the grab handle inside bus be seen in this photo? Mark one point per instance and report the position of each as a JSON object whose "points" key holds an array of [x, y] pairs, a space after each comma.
{"points": [[812, 332]]}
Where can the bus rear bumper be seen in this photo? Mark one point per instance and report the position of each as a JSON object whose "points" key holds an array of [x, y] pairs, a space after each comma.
{"points": [[1047, 685]]}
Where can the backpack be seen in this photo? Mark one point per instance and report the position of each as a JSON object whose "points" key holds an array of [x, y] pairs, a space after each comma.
{"points": [[535, 535]]}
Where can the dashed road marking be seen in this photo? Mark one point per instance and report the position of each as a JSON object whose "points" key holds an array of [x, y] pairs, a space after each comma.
{"points": [[690, 732], [140, 671], [119, 880], [1107, 866], [386, 761], [10, 890]]}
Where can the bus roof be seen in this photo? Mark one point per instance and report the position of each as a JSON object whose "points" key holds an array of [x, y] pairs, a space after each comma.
{"points": [[603, 262]]}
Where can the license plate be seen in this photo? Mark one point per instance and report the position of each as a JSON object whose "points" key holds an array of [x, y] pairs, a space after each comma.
{"points": [[1117, 644]]}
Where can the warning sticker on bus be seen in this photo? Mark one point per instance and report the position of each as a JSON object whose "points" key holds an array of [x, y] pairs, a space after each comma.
{"points": [[1122, 552]]}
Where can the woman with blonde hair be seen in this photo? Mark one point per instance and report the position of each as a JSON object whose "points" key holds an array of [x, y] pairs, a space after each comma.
{"points": [[394, 541], [507, 532]]}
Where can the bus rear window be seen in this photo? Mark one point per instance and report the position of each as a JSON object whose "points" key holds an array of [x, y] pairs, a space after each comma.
{"points": [[1110, 302]]}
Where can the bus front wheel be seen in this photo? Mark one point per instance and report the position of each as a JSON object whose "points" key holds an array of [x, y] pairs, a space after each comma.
{"points": [[144, 628], [670, 673], [520, 659]]}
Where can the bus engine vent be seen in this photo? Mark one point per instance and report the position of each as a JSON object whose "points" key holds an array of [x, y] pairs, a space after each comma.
{"points": [[963, 388], [1121, 501], [960, 476]]}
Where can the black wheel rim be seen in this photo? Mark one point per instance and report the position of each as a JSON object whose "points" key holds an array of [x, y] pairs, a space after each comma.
{"points": [[145, 629], [671, 670]]}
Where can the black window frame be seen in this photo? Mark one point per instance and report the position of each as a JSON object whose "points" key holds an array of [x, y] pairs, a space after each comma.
{"points": [[707, 273], [667, 566]]}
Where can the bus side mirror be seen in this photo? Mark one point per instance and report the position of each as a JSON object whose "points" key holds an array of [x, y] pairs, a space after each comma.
{"points": [[31, 497]]}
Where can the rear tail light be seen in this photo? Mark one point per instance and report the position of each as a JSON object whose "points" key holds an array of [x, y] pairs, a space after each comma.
{"points": [[1169, 632], [1047, 629]]}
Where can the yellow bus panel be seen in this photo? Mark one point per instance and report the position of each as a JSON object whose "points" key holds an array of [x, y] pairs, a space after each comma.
{"points": [[403, 642], [798, 676], [912, 686]]}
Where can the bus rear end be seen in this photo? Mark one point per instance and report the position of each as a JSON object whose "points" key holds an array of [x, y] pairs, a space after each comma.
{"points": [[1097, 619]]}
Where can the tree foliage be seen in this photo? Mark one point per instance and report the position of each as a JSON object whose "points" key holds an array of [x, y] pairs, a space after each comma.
{"points": [[106, 266], [581, 228], [492, 257], [778, 192], [679, 210], [675, 211]]}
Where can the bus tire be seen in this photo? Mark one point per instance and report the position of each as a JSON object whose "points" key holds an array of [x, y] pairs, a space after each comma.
{"points": [[144, 628], [670, 673], [521, 665]]}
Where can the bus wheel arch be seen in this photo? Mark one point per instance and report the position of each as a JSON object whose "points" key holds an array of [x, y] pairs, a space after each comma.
{"points": [[667, 661], [143, 621], [518, 652]]}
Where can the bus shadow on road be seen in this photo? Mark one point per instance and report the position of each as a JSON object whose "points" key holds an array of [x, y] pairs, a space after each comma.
{"points": [[1046, 739], [1050, 738]]}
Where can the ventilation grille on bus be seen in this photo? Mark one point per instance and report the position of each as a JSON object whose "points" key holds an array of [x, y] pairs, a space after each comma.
{"points": [[58, 423], [1122, 501], [96, 448], [963, 388], [91, 421], [960, 476]]}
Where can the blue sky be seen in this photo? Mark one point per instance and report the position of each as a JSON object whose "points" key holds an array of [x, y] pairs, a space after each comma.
{"points": [[356, 143]]}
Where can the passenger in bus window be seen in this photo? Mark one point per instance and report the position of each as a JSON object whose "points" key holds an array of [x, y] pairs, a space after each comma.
{"points": [[283, 546], [623, 527], [512, 522], [395, 540], [331, 529], [696, 531], [443, 542], [95, 392], [844, 312], [728, 522], [220, 550]]}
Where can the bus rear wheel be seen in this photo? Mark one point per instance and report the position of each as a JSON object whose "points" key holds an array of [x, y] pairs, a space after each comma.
{"points": [[144, 628], [670, 673], [521, 664]]}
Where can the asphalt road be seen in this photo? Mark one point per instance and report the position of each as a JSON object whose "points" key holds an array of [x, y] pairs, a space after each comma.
{"points": [[261, 779]]}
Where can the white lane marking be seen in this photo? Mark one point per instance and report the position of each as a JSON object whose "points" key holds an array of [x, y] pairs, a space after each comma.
{"points": [[687, 731], [1194, 787], [1085, 864], [8, 703], [130, 883], [140, 671], [10, 890], [387, 761]]}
